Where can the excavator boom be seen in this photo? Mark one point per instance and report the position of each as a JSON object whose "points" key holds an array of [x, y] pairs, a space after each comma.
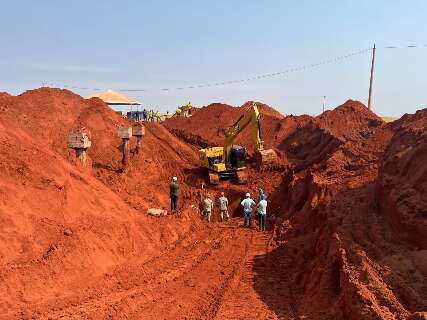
{"points": [[251, 117]]}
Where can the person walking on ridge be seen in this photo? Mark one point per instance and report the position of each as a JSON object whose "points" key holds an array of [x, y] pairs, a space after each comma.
{"points": [[208, 207], [247, 210], [174, 192], [262, 213], [223, 207]]}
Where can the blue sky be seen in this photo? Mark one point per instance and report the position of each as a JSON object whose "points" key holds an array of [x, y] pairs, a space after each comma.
{"points": [[160, 44]]}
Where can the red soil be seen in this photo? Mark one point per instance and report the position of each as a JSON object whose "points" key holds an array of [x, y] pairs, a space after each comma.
{"points": [[347, 217], [207, 124], [402, 184]]}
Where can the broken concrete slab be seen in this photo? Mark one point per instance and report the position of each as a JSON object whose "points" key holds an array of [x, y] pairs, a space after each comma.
{"points": [[157, 212]]}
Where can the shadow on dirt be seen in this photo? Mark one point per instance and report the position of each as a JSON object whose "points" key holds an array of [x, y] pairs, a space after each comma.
{"points": [[108, 167], [273, 281]]}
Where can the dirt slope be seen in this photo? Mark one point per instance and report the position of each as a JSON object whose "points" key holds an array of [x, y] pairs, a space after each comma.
{"points": [[206, 126], [44, 191], [337, 246], [403, 179], [345, 227], [337, 243]]}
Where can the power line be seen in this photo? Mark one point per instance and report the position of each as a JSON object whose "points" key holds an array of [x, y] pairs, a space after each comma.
{"points": [[406, 46], [224, 83], [253, 78]]}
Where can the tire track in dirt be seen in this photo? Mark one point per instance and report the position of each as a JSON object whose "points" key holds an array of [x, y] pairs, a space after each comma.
{"points": [[175, 269], [161, 269], [185, 274], [241, 300]]}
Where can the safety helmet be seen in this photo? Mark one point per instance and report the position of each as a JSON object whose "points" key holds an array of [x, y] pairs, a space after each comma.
{"points": [[248, 195], [174, 178]]}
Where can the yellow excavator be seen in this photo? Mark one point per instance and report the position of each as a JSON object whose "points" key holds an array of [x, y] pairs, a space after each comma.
{"points": [[230, 160]]}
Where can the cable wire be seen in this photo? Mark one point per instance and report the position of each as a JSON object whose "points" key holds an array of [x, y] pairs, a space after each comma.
{"points": [[223, 83], [253, 78]]}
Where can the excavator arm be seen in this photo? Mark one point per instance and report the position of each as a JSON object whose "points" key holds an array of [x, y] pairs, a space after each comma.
{"points": [[252, 116]]}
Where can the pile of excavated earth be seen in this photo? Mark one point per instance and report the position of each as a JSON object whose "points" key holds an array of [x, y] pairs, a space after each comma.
{"points": [[346, 228]]}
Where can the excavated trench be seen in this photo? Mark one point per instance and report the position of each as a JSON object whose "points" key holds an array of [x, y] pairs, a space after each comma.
{"points": [[77, 242]]}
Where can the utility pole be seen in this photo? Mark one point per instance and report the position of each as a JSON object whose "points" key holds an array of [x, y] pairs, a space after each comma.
{"points": [[372, 78], [324, 103]]}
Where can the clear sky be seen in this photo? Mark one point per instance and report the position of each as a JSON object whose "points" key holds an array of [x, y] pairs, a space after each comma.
{"points": [[160, 44]]}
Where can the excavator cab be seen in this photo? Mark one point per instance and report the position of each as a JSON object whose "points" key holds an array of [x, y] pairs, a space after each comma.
{"points": [[238, 156]]}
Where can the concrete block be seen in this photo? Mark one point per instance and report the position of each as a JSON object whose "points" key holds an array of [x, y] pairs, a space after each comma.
{"points": [[157, 212], [125, 133], [138, 130], [78, 140]]}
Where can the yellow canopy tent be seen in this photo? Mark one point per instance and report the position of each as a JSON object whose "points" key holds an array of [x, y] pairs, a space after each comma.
{"points": [[111, 97]]}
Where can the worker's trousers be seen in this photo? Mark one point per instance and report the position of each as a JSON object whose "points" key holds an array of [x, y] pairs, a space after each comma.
{"points": [[224, 214], [208, 214], [262, 220], [174, 202], [247, 218]]}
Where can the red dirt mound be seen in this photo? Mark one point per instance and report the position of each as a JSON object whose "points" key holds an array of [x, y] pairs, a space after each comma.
{"points": [[350, 121], [314, 142], [64, 226], [402, 185], [337, 240], [340, 259], [344, 239], [48, 114], [206, 126]]}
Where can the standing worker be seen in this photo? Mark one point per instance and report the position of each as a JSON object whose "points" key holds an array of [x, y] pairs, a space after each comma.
{"points": [[261, 194], [174, 191], [262, 213], [208, 207], [223, 207], [190, 106], [247, 209]]}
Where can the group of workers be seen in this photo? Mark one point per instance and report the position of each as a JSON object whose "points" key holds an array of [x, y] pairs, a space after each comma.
{"points": [[208, 204], [151, 115], [184, 111]]}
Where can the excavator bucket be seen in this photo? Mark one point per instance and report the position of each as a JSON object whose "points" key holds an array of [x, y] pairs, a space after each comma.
{"points": [[265, 157]]}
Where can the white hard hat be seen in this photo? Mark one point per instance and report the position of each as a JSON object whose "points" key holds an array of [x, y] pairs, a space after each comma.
{"points": [[174, 178], [248, 195]]}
